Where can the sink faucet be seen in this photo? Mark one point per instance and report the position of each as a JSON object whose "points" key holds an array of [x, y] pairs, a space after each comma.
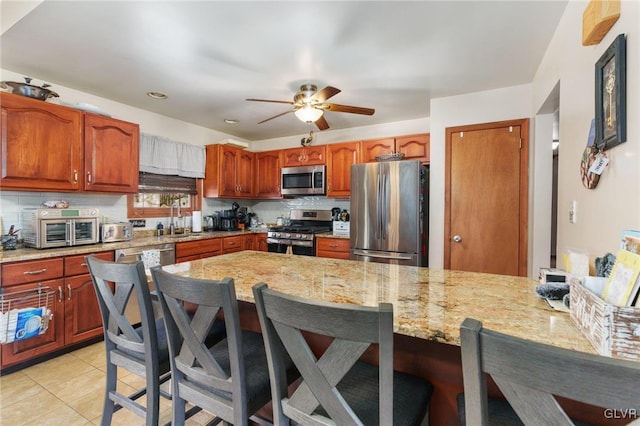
{"points": [[172, 225]]}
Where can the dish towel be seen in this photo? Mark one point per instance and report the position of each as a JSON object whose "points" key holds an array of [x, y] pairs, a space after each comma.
{"points": [[150, 258]]}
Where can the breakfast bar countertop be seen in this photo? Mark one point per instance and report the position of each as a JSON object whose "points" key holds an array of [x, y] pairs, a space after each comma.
{"points": [[429, 304]]}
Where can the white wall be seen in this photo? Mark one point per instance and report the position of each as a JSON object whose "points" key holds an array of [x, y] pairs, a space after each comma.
{"points": [[481, 107], [614, 204]]}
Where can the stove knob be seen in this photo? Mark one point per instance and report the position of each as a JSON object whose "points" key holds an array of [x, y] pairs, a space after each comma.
{"points": [[299, 237], [287, 235]]}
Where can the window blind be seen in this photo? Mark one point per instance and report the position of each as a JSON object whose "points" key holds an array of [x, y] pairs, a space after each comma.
{"points": [[155, 183]]}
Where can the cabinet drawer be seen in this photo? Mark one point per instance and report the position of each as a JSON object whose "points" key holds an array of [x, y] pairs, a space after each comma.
{"points": [[32, 271], [212, 247], [333, 244], [76, 265], [233, 244]]}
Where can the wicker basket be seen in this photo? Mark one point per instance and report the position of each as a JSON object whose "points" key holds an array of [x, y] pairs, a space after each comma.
{"points": [[612, 330]]}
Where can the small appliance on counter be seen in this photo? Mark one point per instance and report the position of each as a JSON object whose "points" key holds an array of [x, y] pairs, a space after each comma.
{"points": [[60, 227], [119, 231]]}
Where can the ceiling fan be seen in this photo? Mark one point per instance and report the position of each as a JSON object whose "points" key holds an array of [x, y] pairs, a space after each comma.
{"points": [[309, 105]]}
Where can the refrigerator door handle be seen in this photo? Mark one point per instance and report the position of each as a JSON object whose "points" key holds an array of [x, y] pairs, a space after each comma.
{"points": [[383, 255], [385, 209], [379, 209]]}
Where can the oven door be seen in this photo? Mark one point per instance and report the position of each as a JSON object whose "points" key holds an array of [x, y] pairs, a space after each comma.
{"points": [[303, 248], [85, 231], [54, 233]]}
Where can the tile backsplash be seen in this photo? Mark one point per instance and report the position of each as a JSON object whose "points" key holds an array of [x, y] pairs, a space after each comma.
{"points": [[113, 208]]}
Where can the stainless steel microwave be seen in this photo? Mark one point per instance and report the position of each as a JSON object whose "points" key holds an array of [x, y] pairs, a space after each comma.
{"points": [[47, 228], [303, 180]]}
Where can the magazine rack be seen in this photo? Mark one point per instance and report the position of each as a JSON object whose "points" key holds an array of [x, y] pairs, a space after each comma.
{"points": [[25, 314], [612, 330]]}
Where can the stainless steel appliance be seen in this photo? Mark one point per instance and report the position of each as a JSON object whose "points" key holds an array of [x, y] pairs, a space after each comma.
{"points": [[304, 180], [112, 232], [47, 228], [298, 237], [389, 207], [165, 254]]}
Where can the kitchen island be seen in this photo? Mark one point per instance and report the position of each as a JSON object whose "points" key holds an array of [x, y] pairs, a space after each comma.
{"points": [[429, 306]]}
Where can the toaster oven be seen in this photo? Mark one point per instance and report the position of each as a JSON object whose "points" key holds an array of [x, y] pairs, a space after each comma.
{"points": [[48, 228]]}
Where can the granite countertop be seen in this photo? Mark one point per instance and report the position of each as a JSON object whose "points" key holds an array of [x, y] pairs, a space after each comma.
{"points": [[138, 241], [428, 303], [332, 235]]}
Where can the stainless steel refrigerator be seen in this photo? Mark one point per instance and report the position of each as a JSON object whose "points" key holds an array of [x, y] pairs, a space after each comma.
{"points": [[389, 210]]}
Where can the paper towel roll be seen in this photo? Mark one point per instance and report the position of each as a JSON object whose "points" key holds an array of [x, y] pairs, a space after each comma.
{"points": [[196, 225]]}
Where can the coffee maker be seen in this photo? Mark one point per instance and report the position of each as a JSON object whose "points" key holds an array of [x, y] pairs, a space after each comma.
{"points": [[227, 220]]}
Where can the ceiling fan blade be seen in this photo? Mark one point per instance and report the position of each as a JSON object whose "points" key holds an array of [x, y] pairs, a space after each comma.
{"points": [[348, 108], [275, 116], [325, 94], [322, 123], [268, 100]]}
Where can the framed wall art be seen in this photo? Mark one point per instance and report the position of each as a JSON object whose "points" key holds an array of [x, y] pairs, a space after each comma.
{"points": [[611, 102]]}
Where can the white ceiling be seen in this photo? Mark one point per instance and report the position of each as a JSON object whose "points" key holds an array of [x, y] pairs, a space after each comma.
{"points": [[209, 56]]}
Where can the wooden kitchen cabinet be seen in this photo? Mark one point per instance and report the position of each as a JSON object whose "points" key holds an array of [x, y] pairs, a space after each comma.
{"points": [[51, 341], [414, 147], [305, 156], [228, 172], [74, 305], [48, 147], [107, 144], [340, 157], [267, 174], [233, 244], [41, 147], [199, 249], [261, 241], [82, 319], [336, 248]]}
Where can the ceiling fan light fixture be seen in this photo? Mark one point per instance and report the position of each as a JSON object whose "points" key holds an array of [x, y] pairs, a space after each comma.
{"points": [[308, 114]]}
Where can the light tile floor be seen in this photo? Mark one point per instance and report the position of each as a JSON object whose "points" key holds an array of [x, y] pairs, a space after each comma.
{"points": [[69, 390]]}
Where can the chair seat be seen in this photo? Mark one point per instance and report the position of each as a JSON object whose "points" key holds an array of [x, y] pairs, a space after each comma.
{"points": [[256, 369], [500, 413], [359, 387]]}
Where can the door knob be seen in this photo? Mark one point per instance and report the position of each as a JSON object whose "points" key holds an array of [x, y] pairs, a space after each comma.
{"points": [[457, 238]]}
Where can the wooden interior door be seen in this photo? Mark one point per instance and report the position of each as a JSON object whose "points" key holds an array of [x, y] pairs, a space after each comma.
{"points": [[486, 198]]}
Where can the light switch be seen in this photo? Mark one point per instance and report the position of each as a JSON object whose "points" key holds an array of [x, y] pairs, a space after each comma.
{"points": [[573, 211]]}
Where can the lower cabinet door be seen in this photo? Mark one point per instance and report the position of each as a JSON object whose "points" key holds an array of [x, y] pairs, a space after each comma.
{"points": [[82, 311], [51, 340]]}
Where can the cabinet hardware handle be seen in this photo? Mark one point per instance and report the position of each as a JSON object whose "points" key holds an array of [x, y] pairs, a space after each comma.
{"points": [[36, 272], [83, 264], [75, 176], [457, 238], [60, 296], [89, 177], [69, 291]]}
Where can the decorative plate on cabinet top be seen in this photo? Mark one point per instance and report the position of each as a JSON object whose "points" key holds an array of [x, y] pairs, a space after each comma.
{"points": [[56, 204], [394, 156]]}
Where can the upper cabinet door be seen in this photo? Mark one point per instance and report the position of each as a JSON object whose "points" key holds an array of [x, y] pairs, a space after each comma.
{"points": [[244, 175], [41, 146], [111, 155], [340, 158], [305, 156], [415, 147], [267, 174], [371, 149]]}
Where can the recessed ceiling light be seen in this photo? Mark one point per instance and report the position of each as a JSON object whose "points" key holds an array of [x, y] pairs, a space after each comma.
{"points": [[157, 95], [231, 121]]}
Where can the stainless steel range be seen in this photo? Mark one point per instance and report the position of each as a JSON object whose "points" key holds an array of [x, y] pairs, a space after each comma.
{"points": [[298, 237]]}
